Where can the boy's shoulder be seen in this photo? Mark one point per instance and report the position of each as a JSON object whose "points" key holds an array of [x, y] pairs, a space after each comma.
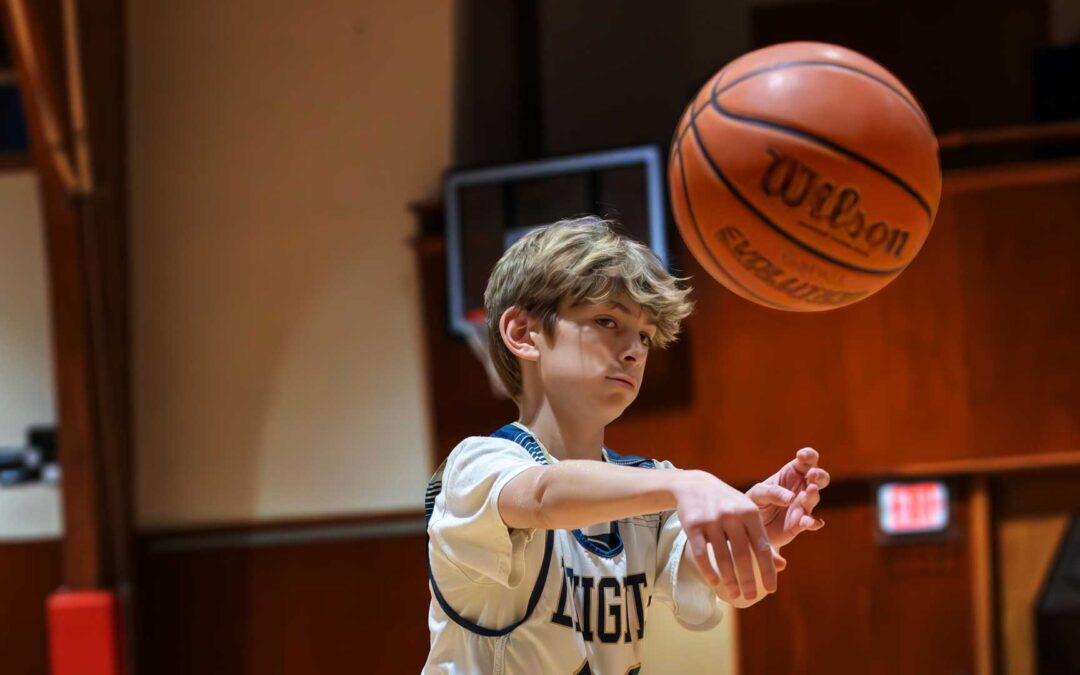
{"points": [[486, 454], [498, 443], [476, 466], [510, 439]]}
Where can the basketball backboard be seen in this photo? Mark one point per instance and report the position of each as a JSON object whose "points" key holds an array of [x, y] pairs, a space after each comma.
{"points": [[488, 209]]}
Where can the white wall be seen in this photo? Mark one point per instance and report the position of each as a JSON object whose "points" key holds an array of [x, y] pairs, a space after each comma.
{"points": [[26, 369], [274, 148]]}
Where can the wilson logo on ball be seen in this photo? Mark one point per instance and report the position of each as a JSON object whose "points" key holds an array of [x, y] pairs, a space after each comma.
{"points": [[829, 206]]}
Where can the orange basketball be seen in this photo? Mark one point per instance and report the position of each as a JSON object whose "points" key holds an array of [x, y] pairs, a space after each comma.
{"points": [[804, 176]]}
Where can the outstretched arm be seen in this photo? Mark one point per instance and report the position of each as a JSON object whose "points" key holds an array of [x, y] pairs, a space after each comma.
{"points": [[576, 493]]}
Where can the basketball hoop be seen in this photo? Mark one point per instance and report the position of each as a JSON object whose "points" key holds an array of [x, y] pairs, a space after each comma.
{"points": [[476, 336]]}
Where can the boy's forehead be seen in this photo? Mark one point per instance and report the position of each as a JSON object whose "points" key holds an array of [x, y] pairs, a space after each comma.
{"points": [[623, 304]]}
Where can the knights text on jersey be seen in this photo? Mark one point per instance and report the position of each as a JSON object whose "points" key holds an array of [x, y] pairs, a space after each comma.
{"points": [[546, 601]]}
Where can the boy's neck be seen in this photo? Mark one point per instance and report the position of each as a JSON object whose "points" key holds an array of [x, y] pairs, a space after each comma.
{"points": [[563, 436]]}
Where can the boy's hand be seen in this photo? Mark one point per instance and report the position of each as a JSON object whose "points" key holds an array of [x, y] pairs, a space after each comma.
{"points": [[801, 482], [713, 512]]}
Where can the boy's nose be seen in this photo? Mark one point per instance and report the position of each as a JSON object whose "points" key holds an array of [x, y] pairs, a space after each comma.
{"points": [[635, 353]]}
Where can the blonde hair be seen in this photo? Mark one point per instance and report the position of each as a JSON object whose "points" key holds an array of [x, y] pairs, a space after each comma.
{"points": [[581, 260]]}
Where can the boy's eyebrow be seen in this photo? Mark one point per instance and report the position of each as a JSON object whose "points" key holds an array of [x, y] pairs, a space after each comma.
{"points": [[615, 303]]}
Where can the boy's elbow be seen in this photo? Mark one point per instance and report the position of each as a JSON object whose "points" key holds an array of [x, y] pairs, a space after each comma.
{"points": [[522, 501], [545, 504]]}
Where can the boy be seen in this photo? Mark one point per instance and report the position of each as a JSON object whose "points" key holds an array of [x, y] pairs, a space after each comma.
{"points": [[545, 547]]}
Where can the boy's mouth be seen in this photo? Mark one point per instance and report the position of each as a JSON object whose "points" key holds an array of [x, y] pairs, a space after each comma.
{"points": [[624, 380]]}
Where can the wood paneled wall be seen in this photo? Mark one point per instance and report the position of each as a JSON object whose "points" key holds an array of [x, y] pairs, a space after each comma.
{"points": [[847, 604], [29, 572], [239, 607]]}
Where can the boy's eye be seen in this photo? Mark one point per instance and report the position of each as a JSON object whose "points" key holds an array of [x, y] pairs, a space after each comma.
{"points": [[606, 322], [646, 340]]}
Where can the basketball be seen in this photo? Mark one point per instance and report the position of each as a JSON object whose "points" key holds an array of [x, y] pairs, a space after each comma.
{"points": [[804, 176]]}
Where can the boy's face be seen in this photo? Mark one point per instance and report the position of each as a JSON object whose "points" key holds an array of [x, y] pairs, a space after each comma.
{"points": [[594, 362]]}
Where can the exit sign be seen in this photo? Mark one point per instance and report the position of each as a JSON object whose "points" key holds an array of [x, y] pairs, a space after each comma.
{"points": [[913, 508]]}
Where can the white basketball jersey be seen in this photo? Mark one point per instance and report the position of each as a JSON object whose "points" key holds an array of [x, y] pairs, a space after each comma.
{"points": [[547, 601]]}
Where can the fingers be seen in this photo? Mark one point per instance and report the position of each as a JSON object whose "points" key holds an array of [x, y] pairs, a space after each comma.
{"points": [[808, 500], [700, 551], [806, 459], [734, 548], [758, 541], [806, 463], [722, 553], [770, 495], [778, 560], [819, 477], [743, 555], [799, 518], [699, 546]]}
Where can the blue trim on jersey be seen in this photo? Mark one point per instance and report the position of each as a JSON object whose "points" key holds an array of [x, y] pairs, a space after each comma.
{"points": [[605, 546], [433, 490], [513, 432], [628, 460]]}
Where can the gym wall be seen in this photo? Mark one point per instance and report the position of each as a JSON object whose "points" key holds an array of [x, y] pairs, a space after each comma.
{"points": [[274, 150]]}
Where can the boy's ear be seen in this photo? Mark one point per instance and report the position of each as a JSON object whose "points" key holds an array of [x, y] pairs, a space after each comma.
{"points": [[516, 327]]}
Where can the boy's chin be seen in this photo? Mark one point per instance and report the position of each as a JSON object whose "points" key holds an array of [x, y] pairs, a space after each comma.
{"points": [[613, 407]]}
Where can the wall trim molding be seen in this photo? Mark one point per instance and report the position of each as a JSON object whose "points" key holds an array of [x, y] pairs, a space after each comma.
{"points": [[286, 532], [995, 176]]}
